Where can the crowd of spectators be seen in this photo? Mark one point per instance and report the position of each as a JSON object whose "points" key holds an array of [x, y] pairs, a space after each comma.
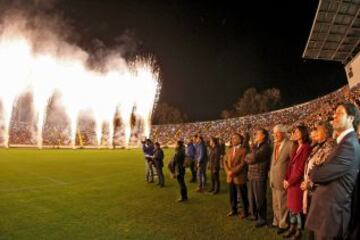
{"points": [[306, 113]]}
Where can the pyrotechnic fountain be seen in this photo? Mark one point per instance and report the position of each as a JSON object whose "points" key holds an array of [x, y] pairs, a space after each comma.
{"points": [[55, 65]]}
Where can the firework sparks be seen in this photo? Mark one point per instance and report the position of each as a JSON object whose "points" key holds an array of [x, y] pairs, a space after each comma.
{"points": [[59, 66]]}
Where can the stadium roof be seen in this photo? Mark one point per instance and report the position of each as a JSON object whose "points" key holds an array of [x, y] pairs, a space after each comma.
{"points": [[335, 33]]}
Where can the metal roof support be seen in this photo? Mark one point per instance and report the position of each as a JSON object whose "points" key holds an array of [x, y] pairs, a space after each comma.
{"points": [[345, 35], [312, 28], [349, 54], [329, 30], [333, 37]]}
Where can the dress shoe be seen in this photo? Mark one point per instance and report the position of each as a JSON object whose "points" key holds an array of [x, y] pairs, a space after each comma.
{"points": [[272, 226], [244, 215], [252, 218], [230, 214], [182, 200], [290, 232], [260, 224], [297, 235], [281, 230]]}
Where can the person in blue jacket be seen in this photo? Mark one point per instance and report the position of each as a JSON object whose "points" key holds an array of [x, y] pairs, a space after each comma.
{"points": [[190, 152], [201, 161]]}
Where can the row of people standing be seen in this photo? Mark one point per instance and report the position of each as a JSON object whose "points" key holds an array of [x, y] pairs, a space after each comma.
{"points": [[154, 158], [319, 180], [202, 156], [332, 182], [246, 166], [308, 181], [290, 164]]}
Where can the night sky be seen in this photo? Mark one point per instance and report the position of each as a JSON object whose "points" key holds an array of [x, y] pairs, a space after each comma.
{"points": [[208, 52]]}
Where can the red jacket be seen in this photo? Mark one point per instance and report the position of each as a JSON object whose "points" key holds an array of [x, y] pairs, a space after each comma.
{"points": [[294, 176]]}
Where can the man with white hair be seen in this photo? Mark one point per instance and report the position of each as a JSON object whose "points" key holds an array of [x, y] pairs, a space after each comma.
{"points": [[279, 163]]}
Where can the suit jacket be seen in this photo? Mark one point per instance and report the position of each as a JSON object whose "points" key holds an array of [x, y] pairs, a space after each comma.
{"points": [[214, 159], [329, 213], [355, 212], [278, 168], [158, 158], [236, 164], [178, 161]]}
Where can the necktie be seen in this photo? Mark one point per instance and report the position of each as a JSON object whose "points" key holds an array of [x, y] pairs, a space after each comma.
{"points": [[233, 157], [277, 148]]}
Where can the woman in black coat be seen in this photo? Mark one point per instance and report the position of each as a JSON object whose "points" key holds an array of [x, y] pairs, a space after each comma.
{"points": [[214, 165], [178, 166]]}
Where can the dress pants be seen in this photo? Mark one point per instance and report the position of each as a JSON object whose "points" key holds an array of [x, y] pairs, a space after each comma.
{"points": [[238, 194], [183, 190], [257, 199]]}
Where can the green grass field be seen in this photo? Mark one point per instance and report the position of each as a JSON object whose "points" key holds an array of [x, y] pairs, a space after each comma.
{"points": [[102, 194]]}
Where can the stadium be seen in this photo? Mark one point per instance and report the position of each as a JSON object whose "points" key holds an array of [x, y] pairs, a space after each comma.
{"points": [[74, 140]]}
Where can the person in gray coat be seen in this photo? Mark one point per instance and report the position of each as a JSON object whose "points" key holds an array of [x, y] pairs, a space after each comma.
{"points": [[281, 155], [330, 208]]}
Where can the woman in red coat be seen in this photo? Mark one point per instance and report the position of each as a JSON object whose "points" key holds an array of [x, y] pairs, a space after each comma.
{"points": [[293, 179]]}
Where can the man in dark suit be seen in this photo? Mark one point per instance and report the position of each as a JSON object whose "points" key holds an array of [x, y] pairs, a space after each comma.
{"points": [[354, 230], [214, 165], [159, 163], [330, 210]]}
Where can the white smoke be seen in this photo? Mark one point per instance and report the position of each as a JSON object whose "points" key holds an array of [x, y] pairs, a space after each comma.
{"points": [[34, 55]]}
